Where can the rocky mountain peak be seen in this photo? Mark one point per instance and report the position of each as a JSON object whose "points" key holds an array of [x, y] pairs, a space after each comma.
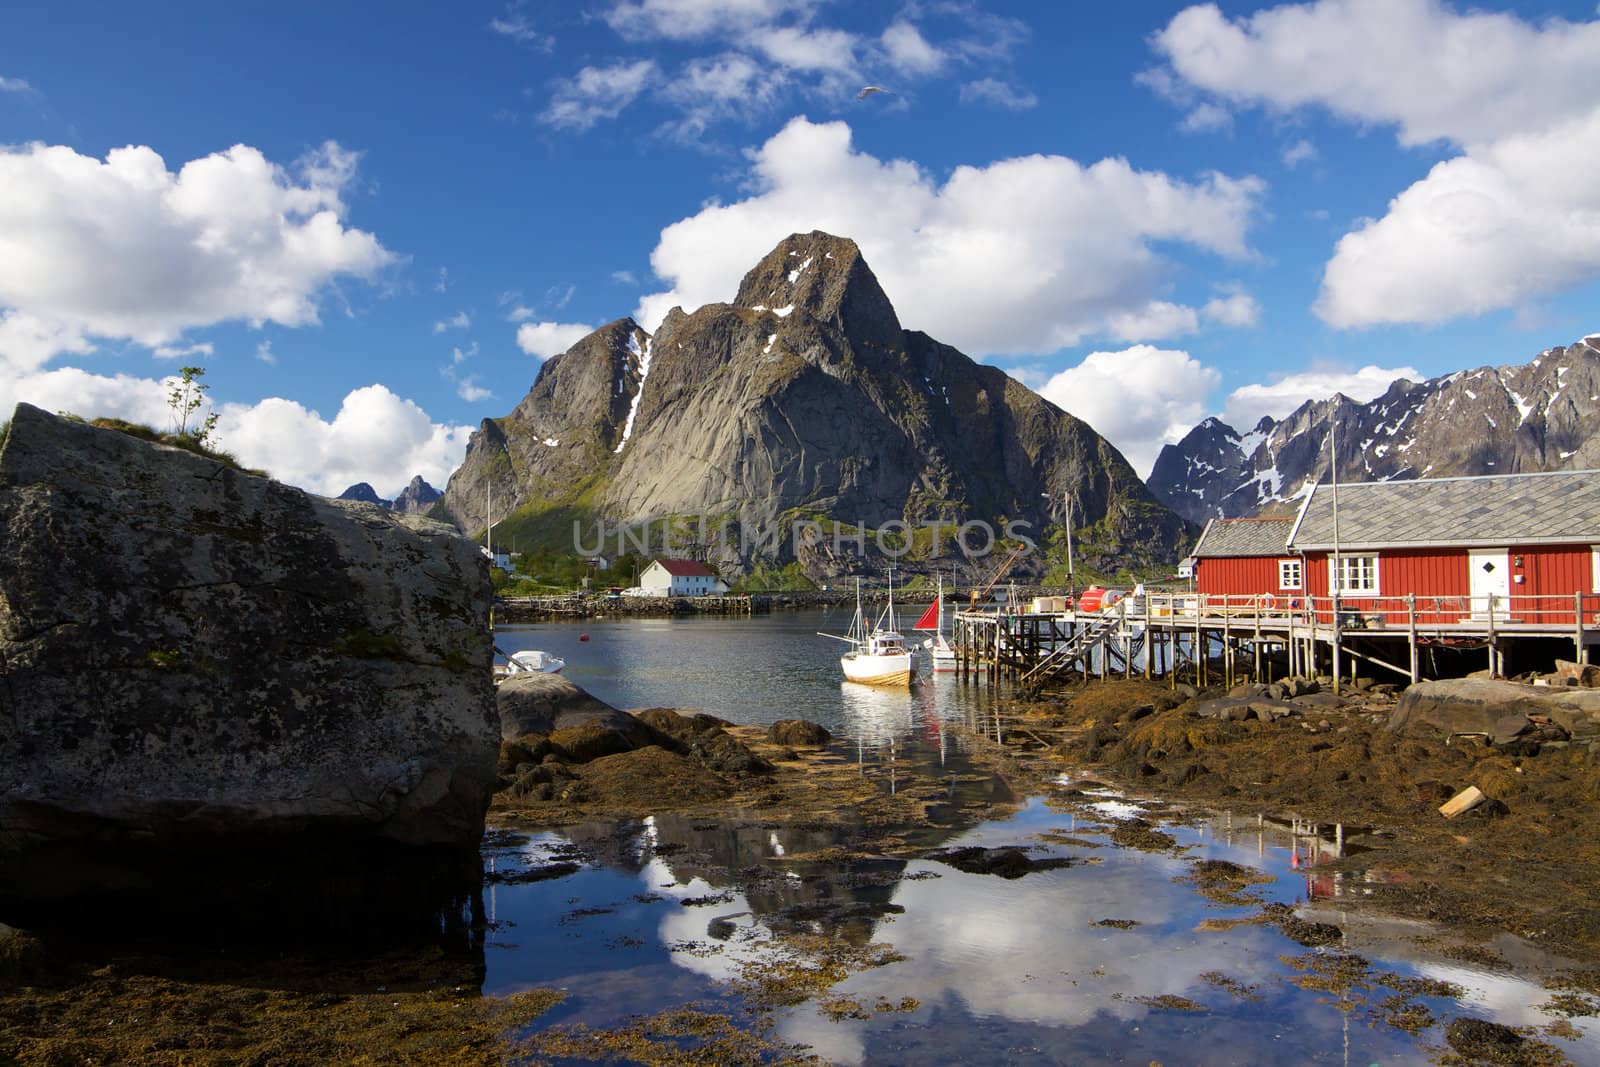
{"points": [[1543, 415], [363, 492], [826, 277]]}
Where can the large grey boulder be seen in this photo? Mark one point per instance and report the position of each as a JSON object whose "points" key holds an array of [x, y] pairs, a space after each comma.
{"points": [[193, 656], [1498, 709]]}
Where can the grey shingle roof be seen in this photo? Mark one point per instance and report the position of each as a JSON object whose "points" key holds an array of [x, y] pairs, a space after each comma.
{"points": [[1224, 538], [1562, 507]]}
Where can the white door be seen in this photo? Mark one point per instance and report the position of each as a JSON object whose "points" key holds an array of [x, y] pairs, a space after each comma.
{"points": [[1489, 573]]}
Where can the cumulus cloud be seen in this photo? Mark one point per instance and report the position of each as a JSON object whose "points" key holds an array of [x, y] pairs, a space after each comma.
{"points": [[375, 437], [1246, 405], [1155, 321], [1139, 398], [1510, 219], [1023, 255], [1235, 309], [546, 339], [125, 249], [1416, 64], [597, 93], [997, 93], [1506, 223], [909, 51]]}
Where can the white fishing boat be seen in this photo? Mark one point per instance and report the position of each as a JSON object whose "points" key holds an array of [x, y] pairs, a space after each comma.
{"points": [[938, 646], [879, 655]]}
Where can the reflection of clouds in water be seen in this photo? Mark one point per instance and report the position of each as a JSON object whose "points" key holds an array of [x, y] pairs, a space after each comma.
{"points": [[1027, 951]]}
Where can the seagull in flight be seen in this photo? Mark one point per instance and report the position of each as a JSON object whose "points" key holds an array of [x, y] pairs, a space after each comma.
{"points": [[870, 89]]}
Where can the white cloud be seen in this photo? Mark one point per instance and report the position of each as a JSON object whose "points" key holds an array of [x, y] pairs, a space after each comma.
{"points": [[1023, 255], [1433, 73], [376, 437], [125, 249], [1506, 223], [599, 93], [711, 88], [469, 390], [14, 85], [1510, 219], [816, 50], [624, 277], [264, 353], [1301, 151], [546, 339], [689, 19], [1156, 321], [1139, 399], [205, 348], [997, 93], [520, 28], [1206, 118], [520, 313], [1235, 309], [909, 52], [459, 355], [461, 320], [1246, 405], [444, 280]]}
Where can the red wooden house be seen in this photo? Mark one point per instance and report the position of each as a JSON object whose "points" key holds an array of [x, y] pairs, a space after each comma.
{"points": [[1531, 542], [1247, 558]]}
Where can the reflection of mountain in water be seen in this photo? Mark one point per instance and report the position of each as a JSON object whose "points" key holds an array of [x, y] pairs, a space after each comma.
{"points": [[765, 864]]}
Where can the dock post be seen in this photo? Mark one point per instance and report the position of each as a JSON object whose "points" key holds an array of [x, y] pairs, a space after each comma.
{"points": [[1411, 632], [1200, 656], [1577, 627]]}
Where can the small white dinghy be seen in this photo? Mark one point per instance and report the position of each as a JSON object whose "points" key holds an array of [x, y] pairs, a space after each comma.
{"points": [[528, 661]]}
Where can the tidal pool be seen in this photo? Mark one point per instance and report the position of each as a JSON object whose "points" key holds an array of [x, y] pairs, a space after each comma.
{"points": [[1116, 957]]}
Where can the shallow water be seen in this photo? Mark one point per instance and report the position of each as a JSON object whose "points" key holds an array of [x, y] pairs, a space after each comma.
{"points": [[1005, 971], [750, 670], [666, 911]]}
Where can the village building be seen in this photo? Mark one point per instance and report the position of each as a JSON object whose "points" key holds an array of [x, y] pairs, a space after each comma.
{"points": [[1247, 558], [1519, 547], [680, 577]]}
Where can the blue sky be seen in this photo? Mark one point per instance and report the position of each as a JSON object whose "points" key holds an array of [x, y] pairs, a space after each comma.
{"points": [[370, 224]]}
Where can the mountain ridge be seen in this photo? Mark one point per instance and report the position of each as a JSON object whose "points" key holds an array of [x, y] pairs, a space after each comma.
{"points": [[1513, 418], [804, 398]]}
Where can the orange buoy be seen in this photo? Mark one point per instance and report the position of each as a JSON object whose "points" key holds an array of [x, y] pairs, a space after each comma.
{"points": [[583, 637]]}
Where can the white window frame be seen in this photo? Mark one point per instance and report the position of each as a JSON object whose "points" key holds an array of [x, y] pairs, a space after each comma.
{"points": [[1352, 562], [1284, 569]]}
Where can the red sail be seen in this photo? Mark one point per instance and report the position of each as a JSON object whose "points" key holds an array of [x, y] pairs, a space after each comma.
{"points": [[930, 618]]}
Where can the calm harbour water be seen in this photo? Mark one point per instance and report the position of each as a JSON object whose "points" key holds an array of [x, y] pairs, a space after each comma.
{"points": [[748, 670], [663, 911]]}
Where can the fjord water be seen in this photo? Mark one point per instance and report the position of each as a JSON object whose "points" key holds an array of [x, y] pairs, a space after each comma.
{"points": [[747, 669], [1109, 960]]}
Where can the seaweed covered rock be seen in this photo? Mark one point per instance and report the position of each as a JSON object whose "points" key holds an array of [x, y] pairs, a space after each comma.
{"points": [[194, 658], [1500, 710], [533, 703], [798, 733]]}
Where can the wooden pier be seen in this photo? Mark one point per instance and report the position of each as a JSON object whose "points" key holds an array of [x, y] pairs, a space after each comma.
{"points": [[1223, 639]]}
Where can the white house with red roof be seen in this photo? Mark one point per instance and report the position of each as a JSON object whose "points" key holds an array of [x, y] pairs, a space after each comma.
{"points": [[680, 577]]}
